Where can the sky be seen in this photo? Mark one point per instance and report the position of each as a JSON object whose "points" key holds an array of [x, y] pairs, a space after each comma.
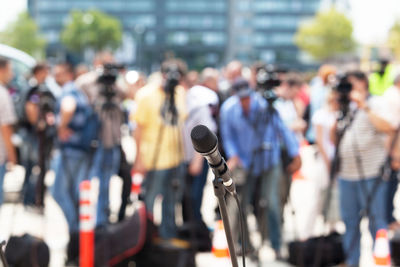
{"points": [[372, 19]]}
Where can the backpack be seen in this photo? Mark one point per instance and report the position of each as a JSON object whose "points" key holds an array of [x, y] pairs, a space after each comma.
{"points": [[84, 124]]}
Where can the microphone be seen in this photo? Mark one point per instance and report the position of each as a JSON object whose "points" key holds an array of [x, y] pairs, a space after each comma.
{"points": [[206, 143]]}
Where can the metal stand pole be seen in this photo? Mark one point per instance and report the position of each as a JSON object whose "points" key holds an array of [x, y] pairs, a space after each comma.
{"points": [[219, 191]]}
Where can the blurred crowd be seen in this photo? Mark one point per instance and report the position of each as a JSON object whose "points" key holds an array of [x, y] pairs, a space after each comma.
{"points": [[273, 124]]}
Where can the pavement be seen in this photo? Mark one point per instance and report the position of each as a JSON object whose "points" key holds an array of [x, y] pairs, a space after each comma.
{"points": [[15, 220]]}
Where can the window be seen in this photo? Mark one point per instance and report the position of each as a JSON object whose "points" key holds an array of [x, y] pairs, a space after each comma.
{"points": [[268, 56], [196, 6], [281, 39], [113, 6], [142, 20], [196, 38], [195, 22], [213, 39], [178, 38], [275, 22]]}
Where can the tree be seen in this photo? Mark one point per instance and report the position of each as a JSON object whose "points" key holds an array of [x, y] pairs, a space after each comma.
{"points": [[23, 34], [91, 30], [328, 34], [394, 39]]}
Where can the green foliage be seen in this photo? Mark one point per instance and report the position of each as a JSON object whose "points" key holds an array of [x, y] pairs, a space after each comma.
{"points": [[92, 29], [394, 39], [328, 34], [23, 34]]}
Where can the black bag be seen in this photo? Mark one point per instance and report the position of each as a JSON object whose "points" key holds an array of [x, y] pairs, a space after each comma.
{"points": [[161, 256], [395, 251], [319, 251], [197, 234], [27, 251], [122, 240]]}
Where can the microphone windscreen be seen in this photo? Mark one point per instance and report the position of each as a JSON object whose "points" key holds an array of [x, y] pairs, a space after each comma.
{"points": [[203, 139]]}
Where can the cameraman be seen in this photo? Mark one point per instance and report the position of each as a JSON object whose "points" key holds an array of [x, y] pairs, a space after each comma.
{"points": [[159, 142], [361, 155], [252, 142], [76, 129], [39, 111], [106, 99]]}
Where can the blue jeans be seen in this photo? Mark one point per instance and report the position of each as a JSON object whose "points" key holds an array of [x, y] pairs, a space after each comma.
{"points": [[2, 174], [71, 167], [353, 199], [167, 183], [197, 191], [392, 189], [106, 163], [29, 153], [269, 202]]}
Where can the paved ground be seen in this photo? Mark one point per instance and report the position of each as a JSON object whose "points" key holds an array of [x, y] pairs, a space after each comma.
{"points": [[16, 219]]}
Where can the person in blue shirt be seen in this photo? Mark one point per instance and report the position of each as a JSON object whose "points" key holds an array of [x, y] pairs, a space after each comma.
{"points": [[252, 135], [76, 129]]}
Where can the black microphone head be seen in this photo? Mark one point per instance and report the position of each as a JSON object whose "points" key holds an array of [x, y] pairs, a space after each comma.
{"points": [[203, 139]]}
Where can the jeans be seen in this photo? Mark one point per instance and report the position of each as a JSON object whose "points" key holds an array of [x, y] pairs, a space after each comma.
{"points": [[353, 199], [106, 163], [167, 183], [197, 192], [392, 189], [270, 203], [2, 174], [71, 167], [29, 153]]}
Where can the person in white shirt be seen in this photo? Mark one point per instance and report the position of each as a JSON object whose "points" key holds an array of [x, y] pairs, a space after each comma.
{"points": [[391, 104], [7, 119]]}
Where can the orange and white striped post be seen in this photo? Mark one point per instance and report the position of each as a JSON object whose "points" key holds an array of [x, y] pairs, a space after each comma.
{"points": [[137, 180], [86, 224]]}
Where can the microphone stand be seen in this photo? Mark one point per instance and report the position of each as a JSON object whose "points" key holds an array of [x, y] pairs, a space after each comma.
{"points": [[219, 192]]}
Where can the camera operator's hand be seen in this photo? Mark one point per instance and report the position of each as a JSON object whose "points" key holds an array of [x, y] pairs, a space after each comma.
{"points": [[295, 165], [360, 98], [64, 133], [196, 165], [139, 166], [234, 162]]}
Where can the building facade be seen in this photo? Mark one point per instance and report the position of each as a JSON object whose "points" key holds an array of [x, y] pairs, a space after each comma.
{"points": [[203, 32]]}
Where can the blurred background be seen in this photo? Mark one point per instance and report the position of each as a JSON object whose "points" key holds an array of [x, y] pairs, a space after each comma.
{"points": [[291, 33]]}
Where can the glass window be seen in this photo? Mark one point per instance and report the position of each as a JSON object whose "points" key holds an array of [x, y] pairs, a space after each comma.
{"points": [[113, 6], [243, 5], [142, 20], [213, 39], [195, 22], [263, 6], [196, 6], [51, 20], [268, 56], [281, 39], [178, 38], [151, 38], [274, 22], [260, 39], [52, 36], [196, 38]]}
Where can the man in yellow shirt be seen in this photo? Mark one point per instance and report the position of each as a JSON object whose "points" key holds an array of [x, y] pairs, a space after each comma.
{"points": [[159, 143]]}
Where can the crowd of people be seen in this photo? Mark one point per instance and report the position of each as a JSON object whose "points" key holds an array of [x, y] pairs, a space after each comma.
{"points": [[263, 116]]}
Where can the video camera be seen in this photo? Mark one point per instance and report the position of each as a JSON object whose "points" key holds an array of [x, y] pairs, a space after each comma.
{"points": [[169, 111], [107, 78], [343, 87], [267, 79]]}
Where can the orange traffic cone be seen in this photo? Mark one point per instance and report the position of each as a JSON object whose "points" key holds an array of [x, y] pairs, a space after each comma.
{"points": [[381, 249], [220, 244]]}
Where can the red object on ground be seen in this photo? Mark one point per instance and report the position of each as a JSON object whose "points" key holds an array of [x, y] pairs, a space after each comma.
{"points": [[86, 224]]}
